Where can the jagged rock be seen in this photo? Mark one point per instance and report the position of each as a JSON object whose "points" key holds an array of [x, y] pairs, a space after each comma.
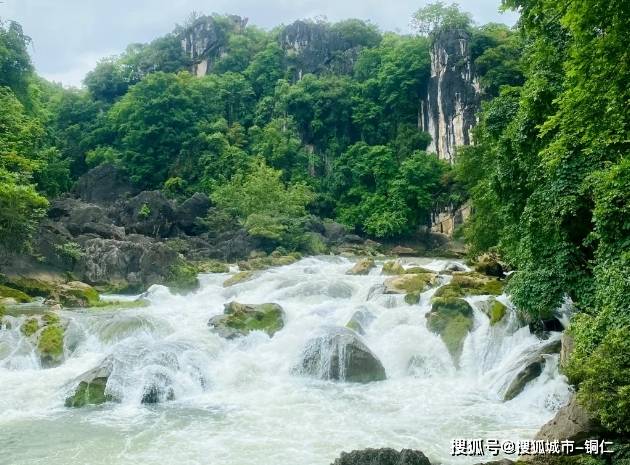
{"points": [[532, 369], [383, 456], [103, 185], [362, 267], [495, 311], [341, 355], [452, 319], [448, 110], [187, 214], [90, 387], [149, 213], [78, 218], [409, 283], [572, 422], [360, 320], [240, 319]]}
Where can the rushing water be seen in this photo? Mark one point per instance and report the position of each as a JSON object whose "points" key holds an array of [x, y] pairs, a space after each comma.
{"points": [[240, 402]]}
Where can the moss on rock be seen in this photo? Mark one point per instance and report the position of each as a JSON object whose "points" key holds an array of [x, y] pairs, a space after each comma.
{"points": [[50, 344], [30, 327], [409, 283], [240, 319], [496, 312], [10, 293], [32, 286], [238, 278], [76, 294], [392, 267], [470, 283], [362, 267], [213, 266], [412, 298], [452, 319], [89, 393], [182, 277]]}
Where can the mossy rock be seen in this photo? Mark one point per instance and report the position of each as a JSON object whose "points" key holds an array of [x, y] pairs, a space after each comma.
{"points": [[362, 267], [264, 262], [452, 319], [470, 283], [240, 277], [489, 264], [50, 344], [240, 319], [76, 294], [418, 270], [121, 304], [15, 294], [30, 327], [182, 277], [410, 283], [89, 393], [496, 312], [392, 267], [213, 266], [413, 298], [32, 286]]}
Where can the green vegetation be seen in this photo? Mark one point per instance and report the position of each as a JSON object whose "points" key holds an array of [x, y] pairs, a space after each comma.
{"points": [[452, 319], [89, 393], [50, 344], [10, 293], [30, 327]]}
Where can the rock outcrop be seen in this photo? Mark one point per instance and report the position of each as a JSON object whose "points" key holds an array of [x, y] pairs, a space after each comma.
{"points": [[448, 110], [531, 369], [340, 355], [452, 319], [572, 422], [385, 456]]}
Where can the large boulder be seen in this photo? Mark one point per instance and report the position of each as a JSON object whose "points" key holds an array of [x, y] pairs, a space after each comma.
{"points": [[383, 456], [103, 185], [79, 217], [452, 319], [489, 264], [241, 319], [91, 387], [470, 283], [362, 267], [360, 320], [75, 294], [410, 283], [149, 213], [572, 422], [393, 267], [188, 214], [339, 354], [531, 369]]}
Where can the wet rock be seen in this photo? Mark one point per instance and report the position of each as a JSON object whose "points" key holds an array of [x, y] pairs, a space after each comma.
{"points": [[489, 264], [452, 319], [103, 185], [362, 267], [353, 239], [50, 345], [572, 422], [9, 296], [470, 283], [341, 355], [566, 349], [240, 277], [542, 328], [410, 283], [454, 266], [90, 387], [532, 369], [75, 294], [360, 320], [213, 266], [383, 456], [188, 214], [393, 267], [240, 319], [496, 311]]}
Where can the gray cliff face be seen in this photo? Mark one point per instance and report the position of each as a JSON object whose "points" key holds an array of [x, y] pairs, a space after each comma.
{"points": [[206, 39], [448, 111]]}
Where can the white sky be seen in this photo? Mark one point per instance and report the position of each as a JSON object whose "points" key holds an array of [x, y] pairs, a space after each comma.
{"points": [[70, 36]]}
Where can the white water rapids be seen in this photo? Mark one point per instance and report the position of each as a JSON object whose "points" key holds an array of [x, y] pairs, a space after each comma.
{"points": [[240, 402]]}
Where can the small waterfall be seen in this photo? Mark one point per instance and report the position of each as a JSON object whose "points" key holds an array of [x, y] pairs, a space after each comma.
{"points": [[182, 394]]}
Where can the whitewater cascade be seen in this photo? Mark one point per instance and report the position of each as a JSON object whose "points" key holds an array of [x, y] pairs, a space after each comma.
{"points": [[241, 401]]}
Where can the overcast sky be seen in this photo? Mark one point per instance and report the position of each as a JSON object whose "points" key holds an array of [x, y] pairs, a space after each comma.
{"points": [[70, 36]]}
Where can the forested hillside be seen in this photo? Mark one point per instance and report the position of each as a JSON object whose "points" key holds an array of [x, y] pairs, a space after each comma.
{"points": [[321, 122]]}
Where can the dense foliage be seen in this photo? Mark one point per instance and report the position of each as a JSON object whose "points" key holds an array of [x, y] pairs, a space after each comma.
{"points": [[549, 181]]}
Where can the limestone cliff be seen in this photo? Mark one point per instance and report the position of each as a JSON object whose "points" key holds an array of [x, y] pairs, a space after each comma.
{"points": [[206, 38], [447, 112]]}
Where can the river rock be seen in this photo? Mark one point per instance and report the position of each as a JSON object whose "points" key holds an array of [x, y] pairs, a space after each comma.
{"points": [[341, 355], [393, 267], [240, 319], [489, 264], [470, 283], [90, 387], [385, 456], [403, 251], [533, 367], [75, 294], [240, 277], [495, 311], [566, 349], [410, 283], [572, 422], [362, 267], [452, 319], [360, 320]]}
